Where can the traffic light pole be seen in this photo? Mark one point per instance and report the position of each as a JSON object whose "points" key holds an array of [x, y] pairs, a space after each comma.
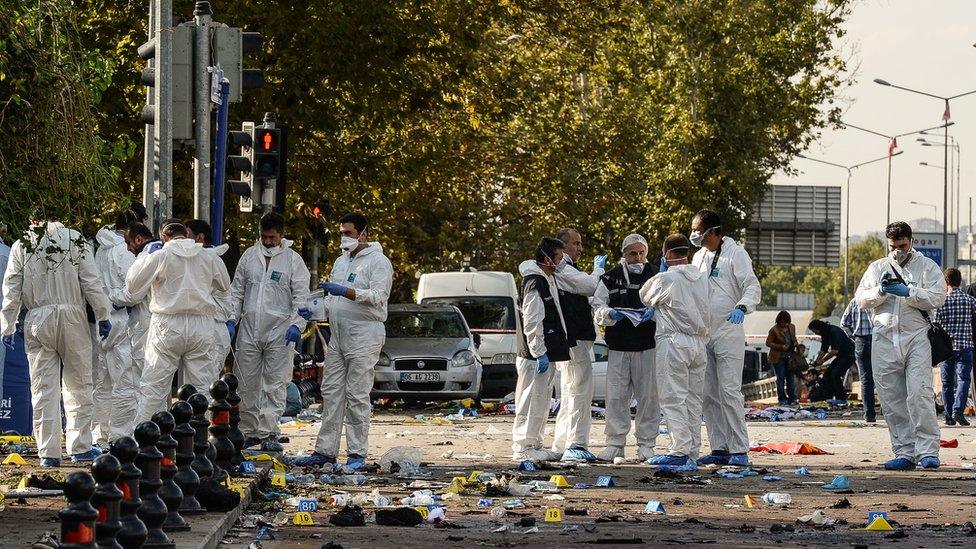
{"points": [[201, 102], [148, 155], [220, 172], [163, 110]]}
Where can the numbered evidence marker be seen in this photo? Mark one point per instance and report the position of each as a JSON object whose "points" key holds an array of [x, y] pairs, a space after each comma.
{"points": [[247, 467], [278, 479], [14, 459], [605, 481], [526, 465], [303, 518], [559, 481], [308, 504], [879, 524], [554, 514]]}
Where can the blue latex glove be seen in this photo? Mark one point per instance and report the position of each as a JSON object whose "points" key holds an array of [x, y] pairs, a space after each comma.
{"points": [[231, 328], [897, 289], [292, 335], [8, 341], [600, 262], [543, 364], [305, 313], [154, 247], [736, 316], [647, 315], [616, 315], [332, 288], [104, 328], [662, 266]]}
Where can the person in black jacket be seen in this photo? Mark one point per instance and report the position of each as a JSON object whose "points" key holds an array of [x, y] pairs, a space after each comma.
{"points": [[572, 435], [630, 365], [541, 341]]}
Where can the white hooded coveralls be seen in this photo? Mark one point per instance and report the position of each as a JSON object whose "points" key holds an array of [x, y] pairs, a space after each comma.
{"points": [[533, 390], [269, 287], [357, 338], [901, 352], [180, 279], [221, 347], [679, 297], [50, 281], [732, 283], [573, 420], [116, 394]]}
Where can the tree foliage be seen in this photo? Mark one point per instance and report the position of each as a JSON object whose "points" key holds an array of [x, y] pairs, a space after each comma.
{"points": [[52, 163], [465, 128]]}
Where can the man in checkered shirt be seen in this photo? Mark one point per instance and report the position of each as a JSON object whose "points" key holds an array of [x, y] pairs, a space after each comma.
{"points": [[956, 316]]}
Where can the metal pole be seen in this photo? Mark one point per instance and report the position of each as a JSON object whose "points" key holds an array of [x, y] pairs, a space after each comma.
{"points": [[847, 236], [945, 198], [201, 105], [220, 171], [149, 152], [888, 217], [163, 130], [969, 239], [316, 253]]}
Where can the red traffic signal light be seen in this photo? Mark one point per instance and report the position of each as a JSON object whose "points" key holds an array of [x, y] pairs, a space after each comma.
{"points": [[266, 140]]}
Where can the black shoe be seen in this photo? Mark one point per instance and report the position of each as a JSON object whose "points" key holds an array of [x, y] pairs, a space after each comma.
{"points": [[961, 420], [271, 444], [871, 420], [252, 441], [949, 420]]}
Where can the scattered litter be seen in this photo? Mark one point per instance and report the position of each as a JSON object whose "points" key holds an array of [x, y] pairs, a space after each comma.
{"points": [[844, 503], [790, 449], [750, 501], [777, 498], [400, 516], [350, 515], [840, 482], [527, 522], [771, 478], [802, 472], [817, 518], [952, 443], [497, 512]]}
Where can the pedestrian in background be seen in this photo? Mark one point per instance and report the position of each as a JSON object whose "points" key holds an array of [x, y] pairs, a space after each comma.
{"points": [[857, 323], [956, 316], [781, 341], [836, 345]]}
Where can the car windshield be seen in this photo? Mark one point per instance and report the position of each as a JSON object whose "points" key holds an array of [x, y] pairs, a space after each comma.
{"points": [[424, 324], [482, 313]]}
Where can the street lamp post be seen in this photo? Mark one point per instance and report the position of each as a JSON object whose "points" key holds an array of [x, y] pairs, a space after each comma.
{"points": [[954, 165], [847, 210], [945, 153], [892, 145], [935, 209]]}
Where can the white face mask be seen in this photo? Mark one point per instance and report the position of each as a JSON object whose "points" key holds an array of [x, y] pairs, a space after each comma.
{"points": [[697, 238], [900, 256], [636, 268], [348, 243]]}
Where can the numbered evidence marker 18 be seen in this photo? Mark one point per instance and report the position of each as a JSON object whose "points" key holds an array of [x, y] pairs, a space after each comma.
{"points": [[554, 514]]}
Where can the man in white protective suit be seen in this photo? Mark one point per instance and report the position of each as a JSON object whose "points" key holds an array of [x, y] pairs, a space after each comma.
{"points": [[52, 273], [679, 296], [270, 286], [180, 280], [359, 286], [572, 435], [734, 293], [903, 291]]}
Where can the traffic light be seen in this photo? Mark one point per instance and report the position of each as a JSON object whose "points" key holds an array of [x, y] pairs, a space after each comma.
{"points": [[318, 227], [241, 164], [230, 44], [182, 75]]}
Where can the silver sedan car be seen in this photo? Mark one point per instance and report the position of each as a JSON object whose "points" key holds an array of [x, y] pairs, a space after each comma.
{"points": [[429, 353]]}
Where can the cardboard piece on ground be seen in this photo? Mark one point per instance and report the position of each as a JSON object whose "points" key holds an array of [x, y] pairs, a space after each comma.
{"points": [[559, 481], [879, 524], [554, 514]]}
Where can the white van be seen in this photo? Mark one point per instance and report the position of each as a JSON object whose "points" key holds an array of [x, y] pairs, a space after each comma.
{"points": [[489, 301]]}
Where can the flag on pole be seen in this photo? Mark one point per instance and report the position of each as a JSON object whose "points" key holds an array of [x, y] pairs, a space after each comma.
{"points": [[892, 146], [945, 115]]}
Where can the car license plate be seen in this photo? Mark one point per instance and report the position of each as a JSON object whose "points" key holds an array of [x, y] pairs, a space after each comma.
{"points": [[419, 377]]}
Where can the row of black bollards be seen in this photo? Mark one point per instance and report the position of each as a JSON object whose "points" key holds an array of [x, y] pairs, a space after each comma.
{"points": [[143, 486]]}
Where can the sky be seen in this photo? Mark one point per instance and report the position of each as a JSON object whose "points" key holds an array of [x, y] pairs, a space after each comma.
{"points": [[926, 45]]}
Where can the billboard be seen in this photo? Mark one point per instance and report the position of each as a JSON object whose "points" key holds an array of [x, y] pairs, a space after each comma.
{"points": [[796, 225], [930, 245]]}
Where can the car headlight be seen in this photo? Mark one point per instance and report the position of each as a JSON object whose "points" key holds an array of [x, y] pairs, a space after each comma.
{"points": [[503, 358], [463, 358], [384, 361]]}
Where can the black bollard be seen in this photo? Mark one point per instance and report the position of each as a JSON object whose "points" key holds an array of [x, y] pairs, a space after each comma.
{"points": [[170, 493], [78, 518], [133, 533], [186, 478], [185, 390], [219, 422], [234, 433], [201, 463], [153, 510], [106, 470]]}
